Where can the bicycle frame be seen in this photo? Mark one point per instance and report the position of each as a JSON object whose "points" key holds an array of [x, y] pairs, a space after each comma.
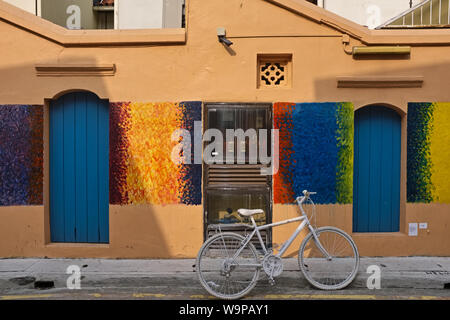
{"points": [[227, 274], [285, 246]]}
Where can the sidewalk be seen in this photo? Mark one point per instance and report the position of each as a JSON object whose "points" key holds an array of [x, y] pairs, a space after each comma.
{"points": [[177, 277]]}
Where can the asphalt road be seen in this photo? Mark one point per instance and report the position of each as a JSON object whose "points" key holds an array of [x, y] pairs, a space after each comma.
{"points": [[423, 278], [291, 285]]}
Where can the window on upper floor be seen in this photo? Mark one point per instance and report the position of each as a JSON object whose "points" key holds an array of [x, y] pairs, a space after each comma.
{"points": [[108, 14]]}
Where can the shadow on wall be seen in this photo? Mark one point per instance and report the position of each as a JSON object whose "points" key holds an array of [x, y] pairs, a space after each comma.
{"points": [[428, 133], [25, 131], [432, 83], [144, 175]]}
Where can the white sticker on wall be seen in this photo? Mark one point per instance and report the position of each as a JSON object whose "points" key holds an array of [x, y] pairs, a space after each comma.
{"points": [[423, 225], [412, 229]]}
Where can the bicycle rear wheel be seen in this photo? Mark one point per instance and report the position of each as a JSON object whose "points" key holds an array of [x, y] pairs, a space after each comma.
{"points": [[220, 274], [329, 274]]}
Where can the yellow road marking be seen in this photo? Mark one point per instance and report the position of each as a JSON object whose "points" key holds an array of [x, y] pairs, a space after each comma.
{"points": [[430, 298], [143, 295], [319, 296], [201, 296], [29, 296], [268, 296], [351, 297]]}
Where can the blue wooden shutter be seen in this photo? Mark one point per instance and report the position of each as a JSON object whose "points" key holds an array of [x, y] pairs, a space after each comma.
{"points": [[79, 169], [376, 188]]}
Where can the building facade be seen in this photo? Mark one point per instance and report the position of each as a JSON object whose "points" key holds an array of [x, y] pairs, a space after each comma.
{"points": [[90, 121]]}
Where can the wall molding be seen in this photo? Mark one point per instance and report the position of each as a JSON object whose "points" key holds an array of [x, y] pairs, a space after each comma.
{"points": [[73, 70], [380, 82]]}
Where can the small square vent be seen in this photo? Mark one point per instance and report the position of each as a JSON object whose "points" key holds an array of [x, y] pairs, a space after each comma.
{"points": [[274, 70]]}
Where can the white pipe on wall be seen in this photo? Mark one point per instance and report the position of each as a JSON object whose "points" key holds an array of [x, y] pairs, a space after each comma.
{"points": [[116, 14]]}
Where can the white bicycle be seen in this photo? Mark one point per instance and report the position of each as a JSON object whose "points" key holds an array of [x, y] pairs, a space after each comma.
{"points": [[228, 264]]}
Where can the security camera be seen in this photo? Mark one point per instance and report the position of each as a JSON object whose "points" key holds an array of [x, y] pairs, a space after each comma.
{"points": [[221, 34], [225, 41]]}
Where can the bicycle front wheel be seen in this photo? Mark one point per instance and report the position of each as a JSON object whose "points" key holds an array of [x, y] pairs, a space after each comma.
{"points": [[336, 271], [224, 273]]}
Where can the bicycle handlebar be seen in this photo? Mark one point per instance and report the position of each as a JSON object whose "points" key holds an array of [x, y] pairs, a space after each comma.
{"points": [[306, 195]]}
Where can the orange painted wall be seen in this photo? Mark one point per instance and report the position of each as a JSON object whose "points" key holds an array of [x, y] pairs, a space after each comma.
{"points": [[201, 69]]}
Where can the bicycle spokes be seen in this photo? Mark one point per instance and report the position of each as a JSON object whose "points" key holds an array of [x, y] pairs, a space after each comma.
{"points": [[333, 270], [225, 269]]}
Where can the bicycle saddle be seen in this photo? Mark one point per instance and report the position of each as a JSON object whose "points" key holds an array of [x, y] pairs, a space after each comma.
{"points": [[248, 212]]}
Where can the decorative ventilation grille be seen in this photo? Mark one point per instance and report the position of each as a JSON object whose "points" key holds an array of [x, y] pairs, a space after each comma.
{"points": [[273, 74], [274, 71]]}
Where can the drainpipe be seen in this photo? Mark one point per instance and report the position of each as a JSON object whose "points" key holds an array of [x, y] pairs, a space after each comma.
{"points": [[373, 50]]}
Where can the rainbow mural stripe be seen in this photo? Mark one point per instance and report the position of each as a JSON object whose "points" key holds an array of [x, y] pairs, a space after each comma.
{"points": [[21, 155], [428, 152], [316, 151], [141, 167]]}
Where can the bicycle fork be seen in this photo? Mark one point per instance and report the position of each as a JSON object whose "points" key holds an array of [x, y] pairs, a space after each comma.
{"points": [[319, 245]]}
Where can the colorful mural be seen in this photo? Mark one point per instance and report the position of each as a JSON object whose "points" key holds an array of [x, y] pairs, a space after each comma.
{"points": [[141, 167], [316, 151], [21, 155], [428, 152]]}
